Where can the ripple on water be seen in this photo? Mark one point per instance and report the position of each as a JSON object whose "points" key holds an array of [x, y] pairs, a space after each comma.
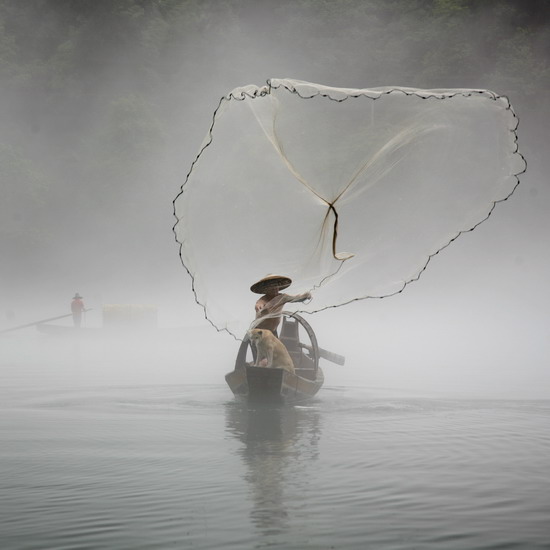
{"points": [[186, 467]]}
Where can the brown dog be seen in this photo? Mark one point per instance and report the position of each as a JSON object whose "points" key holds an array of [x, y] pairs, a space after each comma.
{"points": [[270, 350]]}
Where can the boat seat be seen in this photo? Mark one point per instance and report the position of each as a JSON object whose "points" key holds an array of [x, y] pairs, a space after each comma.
{"points": [[290, 338]]}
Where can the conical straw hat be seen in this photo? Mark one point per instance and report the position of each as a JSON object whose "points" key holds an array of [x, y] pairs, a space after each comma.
{"points": [[271, 281]]}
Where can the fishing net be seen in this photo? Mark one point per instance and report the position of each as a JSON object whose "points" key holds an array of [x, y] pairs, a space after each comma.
{"points": [[348, 192]]}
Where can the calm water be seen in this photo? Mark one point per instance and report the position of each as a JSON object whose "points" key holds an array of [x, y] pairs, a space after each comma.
{"points": [[103, 466]]}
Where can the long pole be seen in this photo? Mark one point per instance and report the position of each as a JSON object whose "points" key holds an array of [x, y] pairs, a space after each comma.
{"points": [[38, 322]]}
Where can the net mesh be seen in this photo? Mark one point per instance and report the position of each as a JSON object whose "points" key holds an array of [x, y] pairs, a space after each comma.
{"points": [[349, 192]]}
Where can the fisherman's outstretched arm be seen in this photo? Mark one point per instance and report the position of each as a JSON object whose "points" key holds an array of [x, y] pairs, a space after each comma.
{"points": [[299, 297]]}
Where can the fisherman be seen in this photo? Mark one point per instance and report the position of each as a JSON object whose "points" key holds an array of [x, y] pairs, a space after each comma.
{"points": [[270, 305], [77, 307]]}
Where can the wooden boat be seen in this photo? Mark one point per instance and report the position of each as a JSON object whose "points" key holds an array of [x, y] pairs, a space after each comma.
{"points": [[276, 385]]}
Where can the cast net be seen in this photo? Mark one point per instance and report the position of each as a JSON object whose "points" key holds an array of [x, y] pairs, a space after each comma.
{"points": [[348, 192]]}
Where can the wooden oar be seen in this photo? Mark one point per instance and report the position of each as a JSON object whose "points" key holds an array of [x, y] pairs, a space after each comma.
{"points": [[328, 355], [39, 322]]}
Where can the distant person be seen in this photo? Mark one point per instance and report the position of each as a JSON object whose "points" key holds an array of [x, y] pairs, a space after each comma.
{"points": [[77, 308], [270, 305]]}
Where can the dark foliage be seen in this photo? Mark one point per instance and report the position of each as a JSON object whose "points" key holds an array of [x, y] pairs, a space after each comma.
{"points": [[100, 96]]}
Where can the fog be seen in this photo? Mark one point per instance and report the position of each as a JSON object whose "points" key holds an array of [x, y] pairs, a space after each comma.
{"points": [[104, 108]]}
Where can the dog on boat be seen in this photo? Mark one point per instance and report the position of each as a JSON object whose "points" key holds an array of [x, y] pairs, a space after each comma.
{"points": [[271, 352]]}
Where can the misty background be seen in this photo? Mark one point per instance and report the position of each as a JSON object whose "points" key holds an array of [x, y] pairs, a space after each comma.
{"points": [[104, 105]]}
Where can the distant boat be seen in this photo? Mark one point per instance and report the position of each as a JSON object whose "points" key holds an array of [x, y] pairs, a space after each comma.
{"points": [[108, 332], [277, 385], [59, 330]]}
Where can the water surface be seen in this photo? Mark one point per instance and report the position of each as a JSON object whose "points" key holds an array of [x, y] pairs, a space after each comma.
{"points": [[126, 466]]}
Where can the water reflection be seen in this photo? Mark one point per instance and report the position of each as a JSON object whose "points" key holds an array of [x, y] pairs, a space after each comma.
{"points": [[280, 447]]}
